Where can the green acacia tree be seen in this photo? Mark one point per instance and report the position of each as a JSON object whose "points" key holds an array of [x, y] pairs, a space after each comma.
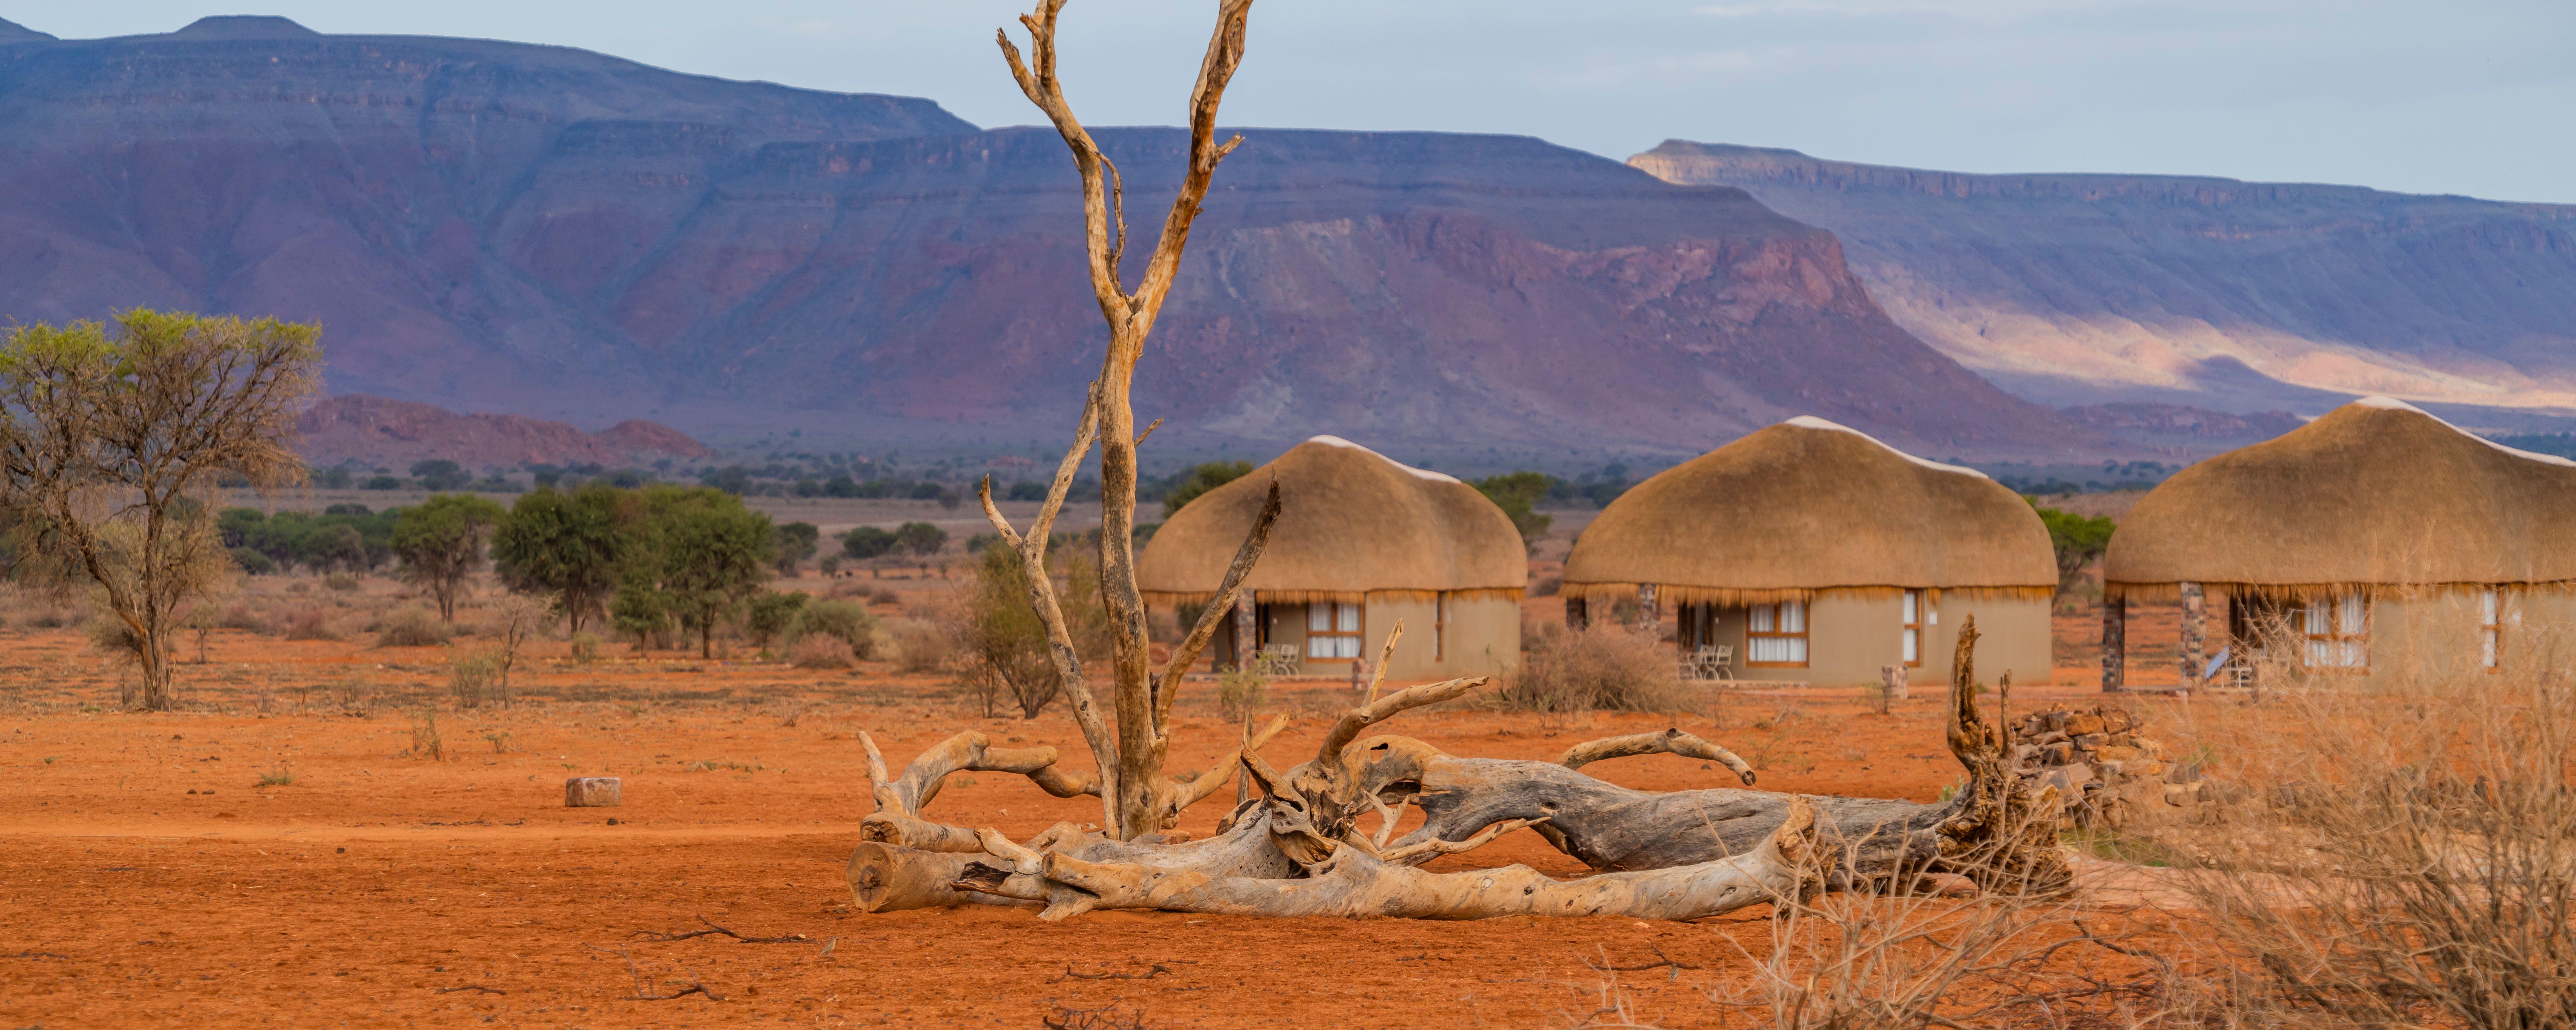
{"points": [[1518, 494], [564, 545], [1199, 480], [2079, 539], [113, 439], [796, 541], [440, 542], [698, 553]]}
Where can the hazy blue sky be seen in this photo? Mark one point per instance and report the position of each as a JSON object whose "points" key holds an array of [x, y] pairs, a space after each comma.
{"points": [[2434, 96]]}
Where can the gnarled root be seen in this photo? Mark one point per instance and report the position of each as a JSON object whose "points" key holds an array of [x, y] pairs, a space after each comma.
{"points": [[900, 800], [1355, 884]]}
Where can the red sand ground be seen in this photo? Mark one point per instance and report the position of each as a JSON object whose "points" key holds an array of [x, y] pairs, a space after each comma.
{"points": [[380, 888]]}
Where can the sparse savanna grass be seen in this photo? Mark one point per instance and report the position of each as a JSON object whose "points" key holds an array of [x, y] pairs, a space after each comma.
{"points": [[819, 651], [280, 776], [425, 739], [2401, 856]]}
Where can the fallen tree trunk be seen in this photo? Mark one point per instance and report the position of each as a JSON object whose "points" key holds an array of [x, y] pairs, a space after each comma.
{"points": [[1355, 884]]}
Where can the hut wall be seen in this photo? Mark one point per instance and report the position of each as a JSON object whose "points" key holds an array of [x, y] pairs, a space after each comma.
{"points": [[2012, 633], [2438, 634], [1483, 636]]}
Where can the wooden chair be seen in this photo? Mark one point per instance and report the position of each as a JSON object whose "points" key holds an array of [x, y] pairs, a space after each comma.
{"points": [[1708, 662], [1278, 660]]}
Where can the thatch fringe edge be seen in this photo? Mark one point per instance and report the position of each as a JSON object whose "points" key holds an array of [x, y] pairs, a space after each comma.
{"points": [[2157, 592], [1169, 597], [1667, 595]]}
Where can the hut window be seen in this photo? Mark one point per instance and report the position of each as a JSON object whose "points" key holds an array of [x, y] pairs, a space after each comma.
{"points": [[1440, 626], [1332, 630], [2490, 627], [2338, 631], [1914, 627], [1776, 634]]}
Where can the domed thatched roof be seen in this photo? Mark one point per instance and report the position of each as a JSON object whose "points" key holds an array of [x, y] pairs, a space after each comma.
{"points": [[1808, 505], [1351, 521], [2373, 493]]}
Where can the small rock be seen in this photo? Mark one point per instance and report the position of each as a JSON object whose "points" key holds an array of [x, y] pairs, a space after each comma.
{"points": [[2057, 754], [2117, 753], [2186, 772], [2050, 737], [2180, 795], [591, 792], [2091, 741], [2080, 724]]}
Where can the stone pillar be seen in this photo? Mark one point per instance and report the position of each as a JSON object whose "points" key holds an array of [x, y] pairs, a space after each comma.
{"points": [[2115, 644], [1576, 615], [1246, 636], [2195, 632], [1647, 614]]}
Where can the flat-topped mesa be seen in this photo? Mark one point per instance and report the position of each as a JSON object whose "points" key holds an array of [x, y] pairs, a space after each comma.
{"points": [[244, 26]]}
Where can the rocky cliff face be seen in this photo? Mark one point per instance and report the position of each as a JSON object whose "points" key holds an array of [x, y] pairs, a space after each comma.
{"points": [[378, 431], [502, 227], [2080, 288]]}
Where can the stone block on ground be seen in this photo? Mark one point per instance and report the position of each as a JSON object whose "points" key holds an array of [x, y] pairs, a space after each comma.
{"points": [[592, 792]]}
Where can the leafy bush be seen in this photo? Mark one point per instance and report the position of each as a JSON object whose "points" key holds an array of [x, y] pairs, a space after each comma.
{"points": [[1188, 486], [867, 542], [1515, 493], [412, 627], [253, 562], [2078, 539], [381, 483], [769, 615], [845, 621], [1603, 667], [1025, 490], [440, 475], [920, 537], [821, 652]]}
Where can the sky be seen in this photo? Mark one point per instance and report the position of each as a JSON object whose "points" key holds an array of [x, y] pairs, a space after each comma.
{"points": [[2474, 97]]}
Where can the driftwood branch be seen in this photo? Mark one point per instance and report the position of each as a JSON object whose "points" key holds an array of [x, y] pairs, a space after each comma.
{"points": [[1671, 742]]}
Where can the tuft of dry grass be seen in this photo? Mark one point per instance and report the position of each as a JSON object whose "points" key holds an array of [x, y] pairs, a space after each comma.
{"points": [[412, 627], [821, 651]]}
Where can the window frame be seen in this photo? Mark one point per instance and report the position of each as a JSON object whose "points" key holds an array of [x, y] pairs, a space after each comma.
{"points": [[2336, 636], [1806, 646], [1333, 617], [2491, 602], [1909, 615]]}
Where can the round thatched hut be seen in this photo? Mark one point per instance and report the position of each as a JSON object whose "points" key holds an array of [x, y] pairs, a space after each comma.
{"points": [[1361, 542], [2377, 538], [1811, 552]]}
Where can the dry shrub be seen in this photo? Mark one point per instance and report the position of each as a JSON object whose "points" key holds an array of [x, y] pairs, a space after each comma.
{"points": [[475, 679], [340, 581], [425, 739], [921, 647], [1599, 668], [240, 617], [821, 651], [1239, 694], [306, 624], [1547, 587], [847, 621], [884, 595], [2405, 855], [412, 627]]}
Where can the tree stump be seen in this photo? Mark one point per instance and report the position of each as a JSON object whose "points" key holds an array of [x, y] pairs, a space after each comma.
{"points": [[592, 792], [1891, 686]]}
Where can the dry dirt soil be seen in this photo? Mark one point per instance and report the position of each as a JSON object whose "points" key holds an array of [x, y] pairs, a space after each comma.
{"points": [[288, 851]]}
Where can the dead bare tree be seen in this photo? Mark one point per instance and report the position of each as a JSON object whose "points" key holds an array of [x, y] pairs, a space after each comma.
{"points": [[1135, 796]]}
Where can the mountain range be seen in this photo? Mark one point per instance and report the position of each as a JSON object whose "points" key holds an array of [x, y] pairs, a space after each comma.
{"points": [[502, 227], [2239, 295]]}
